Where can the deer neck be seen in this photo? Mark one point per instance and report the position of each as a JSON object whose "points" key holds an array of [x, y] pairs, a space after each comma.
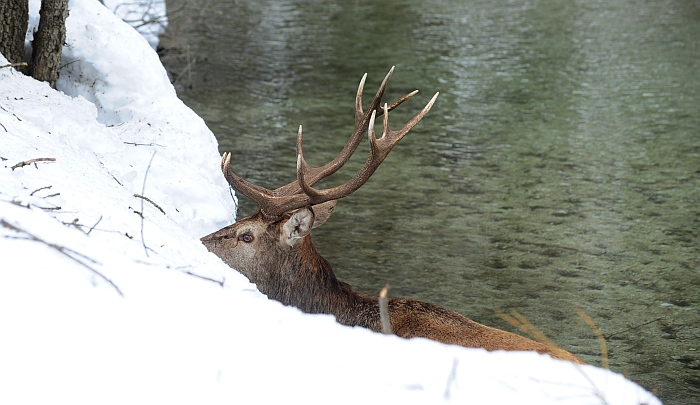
{"points": [[311, 285]]}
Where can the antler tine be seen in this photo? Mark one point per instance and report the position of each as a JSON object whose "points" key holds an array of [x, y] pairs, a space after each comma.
{"points": [[314, 174], [379, 150], [256, 193], [393, 137], [359, 115], [302, 169], [269, 204]]}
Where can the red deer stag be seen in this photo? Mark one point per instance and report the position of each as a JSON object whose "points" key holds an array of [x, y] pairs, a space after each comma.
{"points": [[273, 247]]}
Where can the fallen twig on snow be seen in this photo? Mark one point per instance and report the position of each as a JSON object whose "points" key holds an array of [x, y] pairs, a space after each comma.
{"points": [[14, 65], [142, 144], [69, 253], [219, 282], [30, 161], [93, 227], [39, 189], [150, 201]]}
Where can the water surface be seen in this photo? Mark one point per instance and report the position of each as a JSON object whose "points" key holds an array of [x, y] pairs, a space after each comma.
{"points": [[558, 170]]}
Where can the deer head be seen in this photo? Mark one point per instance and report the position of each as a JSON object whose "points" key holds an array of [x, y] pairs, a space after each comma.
{"points": [[270, 246]]}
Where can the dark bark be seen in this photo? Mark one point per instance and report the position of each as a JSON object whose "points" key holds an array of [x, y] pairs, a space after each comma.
{"points": [[48, 41], [14, 17]]}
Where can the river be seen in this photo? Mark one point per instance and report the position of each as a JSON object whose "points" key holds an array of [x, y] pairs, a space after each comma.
{"points": [[559, 169]]}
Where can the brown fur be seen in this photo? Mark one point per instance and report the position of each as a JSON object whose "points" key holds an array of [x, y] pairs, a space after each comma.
{"points": [[299, 276]]}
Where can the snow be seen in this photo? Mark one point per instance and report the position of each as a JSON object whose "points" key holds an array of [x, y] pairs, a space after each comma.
{"points": [[99, 304], [148, 17]]}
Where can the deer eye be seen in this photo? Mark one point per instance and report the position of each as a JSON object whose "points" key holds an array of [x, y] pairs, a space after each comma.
{"points": [[245, 237]]}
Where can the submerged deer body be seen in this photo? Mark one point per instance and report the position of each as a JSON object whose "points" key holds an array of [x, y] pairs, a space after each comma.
{"points": [[273, 247]]}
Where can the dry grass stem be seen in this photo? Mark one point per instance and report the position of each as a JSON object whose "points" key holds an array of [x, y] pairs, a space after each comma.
{"points": [[519, 321], [384, 310], [601, 338]]}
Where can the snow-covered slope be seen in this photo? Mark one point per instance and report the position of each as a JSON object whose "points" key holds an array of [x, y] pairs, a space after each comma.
{"points": [[108, 297]]}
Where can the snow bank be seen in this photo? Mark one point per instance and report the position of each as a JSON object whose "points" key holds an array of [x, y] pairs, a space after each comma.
{"points": [[106, 297]]}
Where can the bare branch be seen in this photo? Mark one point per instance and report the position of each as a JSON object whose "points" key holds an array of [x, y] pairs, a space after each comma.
{"points": [[635, 327], [93, 227], [28, 162], [39, 189], [150, 201], [142, 144], [219, 282], [69, 253], [18, 64]]}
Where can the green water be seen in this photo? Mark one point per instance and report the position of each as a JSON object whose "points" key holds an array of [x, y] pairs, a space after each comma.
{"points": [[559, 169]]}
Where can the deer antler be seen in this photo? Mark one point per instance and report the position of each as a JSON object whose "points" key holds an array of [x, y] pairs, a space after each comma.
{"points": [[290, 197], [315, 174], [379, 150]]}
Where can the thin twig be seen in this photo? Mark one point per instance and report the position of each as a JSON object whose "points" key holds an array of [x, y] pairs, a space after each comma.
{"points": [[150, 201], [64, 251], [14, 65], [115, 179], [142, 144], [219, 282], [635, 327], [74, 223], [93, 227], [143, 191], [30, 161], [49, 208], [70, 63], [19, 204], [15, 115], [39, 189]]}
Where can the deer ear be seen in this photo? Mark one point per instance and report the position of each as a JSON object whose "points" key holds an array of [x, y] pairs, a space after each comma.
{"points": [[322, 212], [298, 225]]}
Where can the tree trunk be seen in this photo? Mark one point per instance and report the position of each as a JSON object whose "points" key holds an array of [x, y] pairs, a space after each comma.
{"points": [[14, 17], [48, 41]]}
